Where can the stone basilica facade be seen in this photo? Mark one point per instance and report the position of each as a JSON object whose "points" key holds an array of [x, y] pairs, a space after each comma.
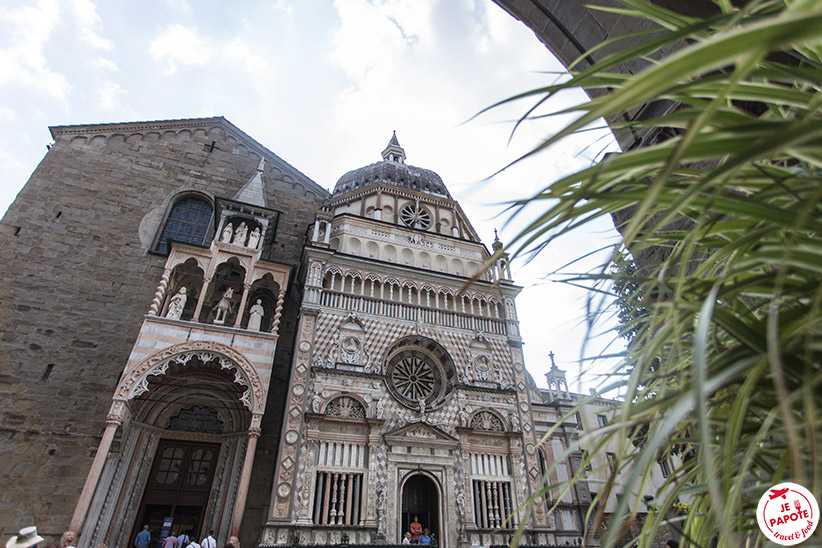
{"points": [[195, 330]]}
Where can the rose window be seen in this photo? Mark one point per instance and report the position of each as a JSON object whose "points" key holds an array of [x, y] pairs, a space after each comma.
{"points": [[415, 216], [413, 378], [419, 370]]}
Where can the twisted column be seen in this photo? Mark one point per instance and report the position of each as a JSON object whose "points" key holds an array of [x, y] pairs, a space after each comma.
{"points": [[275, 322], [154, 309]]}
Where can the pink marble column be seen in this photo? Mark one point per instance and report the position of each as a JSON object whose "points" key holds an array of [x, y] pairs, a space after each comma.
{"points": [[201, 300], [80, 511], [243, 302], [245, 479]]}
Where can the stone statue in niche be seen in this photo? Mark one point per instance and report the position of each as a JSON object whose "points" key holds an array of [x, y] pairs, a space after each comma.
{"points": [[255, 316], [421, 401], [254, 238], [240, 234], [316, 402], [461, 505], [463, 417], [380, 409], [514, 419], [223, 307], [228, 232], [176, 305]]}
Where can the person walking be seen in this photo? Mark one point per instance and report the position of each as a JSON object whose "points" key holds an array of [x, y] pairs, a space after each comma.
{"points": [[209, 541], [143, 538], [170, 541], [183, 539], [26, 538], [193, 543]]}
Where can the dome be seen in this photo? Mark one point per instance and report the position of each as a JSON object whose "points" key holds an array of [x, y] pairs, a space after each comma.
{"points": [[393, 171]]}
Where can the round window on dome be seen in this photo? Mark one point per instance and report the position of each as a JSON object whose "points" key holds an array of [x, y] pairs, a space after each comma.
{"points": [[416, 216]]}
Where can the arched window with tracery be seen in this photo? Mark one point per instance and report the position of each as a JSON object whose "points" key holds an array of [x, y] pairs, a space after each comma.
{"points": [[188, 221]]}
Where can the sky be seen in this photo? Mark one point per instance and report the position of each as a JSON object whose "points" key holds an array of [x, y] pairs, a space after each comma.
{"points": [[322, 84]]}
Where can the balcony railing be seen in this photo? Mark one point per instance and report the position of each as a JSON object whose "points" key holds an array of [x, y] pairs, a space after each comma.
{"points": [[406, 311]]}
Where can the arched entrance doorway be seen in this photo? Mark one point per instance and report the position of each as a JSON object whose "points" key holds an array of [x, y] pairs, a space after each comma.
{"points": [[195, 408], [421, 498], [178, 487]]}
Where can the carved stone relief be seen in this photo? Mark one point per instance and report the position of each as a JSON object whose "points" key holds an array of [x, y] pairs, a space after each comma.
{"points": [[197, 418], [485, 420], [345, 407]]}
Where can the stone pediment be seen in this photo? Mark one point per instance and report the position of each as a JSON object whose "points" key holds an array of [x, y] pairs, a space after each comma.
{"points": [[419, 433]]}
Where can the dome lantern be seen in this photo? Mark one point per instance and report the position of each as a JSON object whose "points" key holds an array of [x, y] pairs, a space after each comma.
{"points": [[394, 152]]}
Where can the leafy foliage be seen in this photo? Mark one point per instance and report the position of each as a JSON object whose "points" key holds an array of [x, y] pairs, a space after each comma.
{"points": [[724, 217]]}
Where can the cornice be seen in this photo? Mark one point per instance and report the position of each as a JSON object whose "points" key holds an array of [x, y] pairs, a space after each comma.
{"points": [[187, 123]]}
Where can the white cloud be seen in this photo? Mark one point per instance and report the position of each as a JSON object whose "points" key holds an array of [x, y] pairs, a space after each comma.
{"points": [[88, 23], [109, 94], [23, 63], [283, 6], [7, 114], [179, 5], [181, 44], [241, 51]]}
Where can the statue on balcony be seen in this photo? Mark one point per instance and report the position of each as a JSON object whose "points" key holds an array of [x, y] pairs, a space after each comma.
{"points": [[240, 234], [255, 316], [177, 304], [228, 232], [254, 238], [223, 307]]}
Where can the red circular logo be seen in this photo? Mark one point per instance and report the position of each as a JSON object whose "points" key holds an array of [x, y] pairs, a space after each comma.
{"points": [[787, 514]]}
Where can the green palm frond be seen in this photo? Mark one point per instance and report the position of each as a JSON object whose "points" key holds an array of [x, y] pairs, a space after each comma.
{"points": [[726, 360]]}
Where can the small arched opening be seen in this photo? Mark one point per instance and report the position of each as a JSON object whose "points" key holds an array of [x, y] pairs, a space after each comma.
{"points": [[421, 498]]}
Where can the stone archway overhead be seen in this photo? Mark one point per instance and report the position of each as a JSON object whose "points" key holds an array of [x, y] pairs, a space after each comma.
{"points": [[135, 381], [570, 30]]}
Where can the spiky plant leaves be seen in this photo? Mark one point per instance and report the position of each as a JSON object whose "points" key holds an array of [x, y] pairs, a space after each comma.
{"points": [[726, 358]]}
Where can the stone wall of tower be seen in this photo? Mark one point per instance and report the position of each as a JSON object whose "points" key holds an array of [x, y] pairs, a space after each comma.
{"points": [[76, 279]]}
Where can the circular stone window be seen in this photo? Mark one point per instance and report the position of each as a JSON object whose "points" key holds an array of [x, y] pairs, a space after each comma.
{"points": [[415, 216], [417, 370]]}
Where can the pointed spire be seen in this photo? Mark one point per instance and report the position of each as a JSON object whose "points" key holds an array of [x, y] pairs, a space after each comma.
{"points": [[394, 152], [497, 245], [253, 192], [557, 385]]}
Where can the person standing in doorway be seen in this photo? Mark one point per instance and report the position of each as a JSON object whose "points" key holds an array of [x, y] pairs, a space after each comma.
{"points": [[209, 541], [143, 538], [425, 537], [416, 530]]}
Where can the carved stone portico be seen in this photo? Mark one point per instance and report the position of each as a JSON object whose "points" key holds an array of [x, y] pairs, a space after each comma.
{"points": [[194, 361]]}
